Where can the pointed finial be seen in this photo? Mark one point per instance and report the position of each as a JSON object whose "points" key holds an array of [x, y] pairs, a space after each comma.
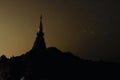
{"points": [[41, 26], [41, 17]]}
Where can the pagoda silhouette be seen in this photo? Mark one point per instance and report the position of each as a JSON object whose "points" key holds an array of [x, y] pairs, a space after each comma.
{"points": [[39, 47], [39, 43]]}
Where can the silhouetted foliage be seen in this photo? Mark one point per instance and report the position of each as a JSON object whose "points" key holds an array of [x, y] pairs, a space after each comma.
{"points": [[53, 64]]}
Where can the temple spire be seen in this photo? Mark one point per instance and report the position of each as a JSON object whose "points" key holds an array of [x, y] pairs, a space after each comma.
{"points": [[41, 25], [39, 43]]}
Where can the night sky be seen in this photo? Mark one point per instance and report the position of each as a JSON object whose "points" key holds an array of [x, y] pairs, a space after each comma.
{"points": [[87, 28]]}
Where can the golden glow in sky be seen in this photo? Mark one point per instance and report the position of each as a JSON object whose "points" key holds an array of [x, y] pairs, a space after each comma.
{"points": [[83, 27], [20, 19]]}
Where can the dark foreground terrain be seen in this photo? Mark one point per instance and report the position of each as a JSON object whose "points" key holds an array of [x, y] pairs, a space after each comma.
{"points": [[52, 64]]}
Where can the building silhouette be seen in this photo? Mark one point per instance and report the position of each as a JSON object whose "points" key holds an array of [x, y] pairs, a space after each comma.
{"points": [[39, 43]]}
